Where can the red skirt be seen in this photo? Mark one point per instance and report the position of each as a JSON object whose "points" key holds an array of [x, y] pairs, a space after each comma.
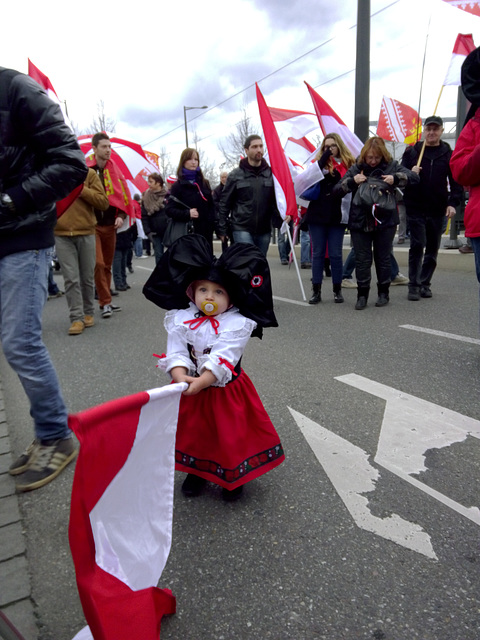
{"points": [[225, 435]]}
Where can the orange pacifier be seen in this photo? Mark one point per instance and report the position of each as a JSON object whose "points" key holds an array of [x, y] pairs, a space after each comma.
{"points": [[209, 308]]}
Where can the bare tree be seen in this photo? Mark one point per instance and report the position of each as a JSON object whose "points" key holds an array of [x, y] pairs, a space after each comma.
{"points": [[209, 169], [102, 122], [232, 146], [165, 164]]}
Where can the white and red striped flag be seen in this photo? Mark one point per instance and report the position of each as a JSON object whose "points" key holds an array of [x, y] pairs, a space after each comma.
{"points": [[470, 6], [398, 122], [282, 178], [463, 46], [121, 513], [330, 122]]}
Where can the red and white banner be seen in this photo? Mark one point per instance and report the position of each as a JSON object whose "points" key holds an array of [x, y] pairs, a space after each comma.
{"points": [[330, 122], [473, 6], [121, 513], [35, 73], [463, 46], [299, 150], [282, 178], [292, 124], [398, 122]]}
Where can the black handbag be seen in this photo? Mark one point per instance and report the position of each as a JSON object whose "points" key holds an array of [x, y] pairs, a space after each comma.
{"points": [[175, 230], [375, 191]]}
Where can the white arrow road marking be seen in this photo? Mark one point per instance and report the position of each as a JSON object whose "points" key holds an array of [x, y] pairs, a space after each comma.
{"points": [[351, 474], [442, 334], [410, 428]]}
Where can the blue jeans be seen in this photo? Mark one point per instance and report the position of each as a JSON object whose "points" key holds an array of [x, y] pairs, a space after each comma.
{"points": [[476, 249], [138, 247], [305, 251], [322, 235], [260, 240], [23, 293], [157, 247]]}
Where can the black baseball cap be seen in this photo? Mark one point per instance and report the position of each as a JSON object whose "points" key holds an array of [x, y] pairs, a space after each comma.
{"points": [[433, 120]]}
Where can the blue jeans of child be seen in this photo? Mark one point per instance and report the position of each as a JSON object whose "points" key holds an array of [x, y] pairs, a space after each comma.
{"points": [[260, 240], [23, 293]]}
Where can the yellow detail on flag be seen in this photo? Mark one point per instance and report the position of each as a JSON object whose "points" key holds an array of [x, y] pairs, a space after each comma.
{"points": [[125, 196], [447, 230], [107, 179]]}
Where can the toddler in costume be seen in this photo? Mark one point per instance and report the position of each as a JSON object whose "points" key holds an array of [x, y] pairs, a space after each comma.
{"points": [[224, 434]]}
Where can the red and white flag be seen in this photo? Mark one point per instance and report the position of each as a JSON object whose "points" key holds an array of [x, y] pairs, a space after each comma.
{"points": [[398, 122], [463, 46], [35, 73], [472, 6], [292, 124], [121, 513], [330, 122], [282, 178], [299, 150]]}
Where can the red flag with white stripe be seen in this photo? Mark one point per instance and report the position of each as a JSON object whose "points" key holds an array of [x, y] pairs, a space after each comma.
{"points": [[398, 122], [43, 80], [463, 46], [330, 122], [282, 178], [121, 513]]}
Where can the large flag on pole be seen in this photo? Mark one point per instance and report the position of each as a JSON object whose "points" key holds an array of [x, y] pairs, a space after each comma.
{"points": [[121, 513], [282, 178], [470, 6], [463, 46], [330, 122], [398, 122], [35, 73]]}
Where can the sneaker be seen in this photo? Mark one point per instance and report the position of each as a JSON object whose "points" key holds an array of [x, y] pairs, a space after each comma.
{"points": [[106, 311], [193, 485], [306, 265], [413, 294], [59, 294], [23, 461], [348, 283], [284, 262], [425, 292], [399, 279], [115, 307], [88, 321], [46, 463]]}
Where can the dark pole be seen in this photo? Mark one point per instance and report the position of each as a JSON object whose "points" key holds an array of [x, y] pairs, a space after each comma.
{"points": [[186, 131], [362, 70]]}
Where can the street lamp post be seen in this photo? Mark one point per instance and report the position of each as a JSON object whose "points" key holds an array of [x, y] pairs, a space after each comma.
{"points": [[185, 109]]}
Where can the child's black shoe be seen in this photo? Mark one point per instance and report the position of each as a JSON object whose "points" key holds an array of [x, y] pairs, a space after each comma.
{"points": [[193, 485], [234, 494]]}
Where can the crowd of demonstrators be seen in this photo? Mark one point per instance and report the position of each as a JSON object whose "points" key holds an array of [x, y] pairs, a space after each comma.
{"points": [[154, 218], [325, 218], [40, 163], [248, 205], [373, 226], [428, 203], [190, 199]]}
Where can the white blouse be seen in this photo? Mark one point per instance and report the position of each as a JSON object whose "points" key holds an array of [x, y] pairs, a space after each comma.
{"points": [[216, 342]]}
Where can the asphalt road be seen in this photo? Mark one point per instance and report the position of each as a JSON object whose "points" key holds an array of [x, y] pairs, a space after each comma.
{"points": [[288, 561]]}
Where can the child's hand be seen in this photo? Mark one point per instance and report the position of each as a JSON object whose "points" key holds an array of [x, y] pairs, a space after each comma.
{"points": [[194, 386]]}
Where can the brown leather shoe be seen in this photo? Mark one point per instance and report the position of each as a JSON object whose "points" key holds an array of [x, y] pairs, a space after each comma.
{"points": [[76, 328]]}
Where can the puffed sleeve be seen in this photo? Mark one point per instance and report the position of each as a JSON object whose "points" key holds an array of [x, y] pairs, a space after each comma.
{"points": [[177, 349]]}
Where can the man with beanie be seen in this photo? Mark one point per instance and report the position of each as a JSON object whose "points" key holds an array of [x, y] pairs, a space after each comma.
{"points": [[427, 203]]}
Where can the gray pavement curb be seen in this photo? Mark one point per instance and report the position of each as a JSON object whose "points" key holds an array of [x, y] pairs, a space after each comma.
{"points": [[15, 591]]}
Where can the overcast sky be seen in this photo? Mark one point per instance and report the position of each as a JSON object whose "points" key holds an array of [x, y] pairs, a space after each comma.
{"points": [[147, 60]]}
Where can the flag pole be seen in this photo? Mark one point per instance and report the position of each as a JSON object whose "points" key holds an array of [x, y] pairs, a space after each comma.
{"points": [[420, 157], [292, 249]]}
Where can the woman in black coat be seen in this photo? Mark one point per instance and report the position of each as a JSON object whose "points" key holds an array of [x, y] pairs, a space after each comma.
{"points": [[373, 226], [191, 197]]}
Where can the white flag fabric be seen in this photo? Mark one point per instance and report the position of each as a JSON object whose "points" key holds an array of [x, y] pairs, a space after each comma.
{"points": [[463, 46]]}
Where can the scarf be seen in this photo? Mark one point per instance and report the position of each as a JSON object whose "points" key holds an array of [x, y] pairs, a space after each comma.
{"points": [[153, 200], [190, 174]]}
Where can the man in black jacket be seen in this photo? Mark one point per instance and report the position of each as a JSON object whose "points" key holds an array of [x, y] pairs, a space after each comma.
{"points": [[40, 163], [249, 199], [427, 204]]}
